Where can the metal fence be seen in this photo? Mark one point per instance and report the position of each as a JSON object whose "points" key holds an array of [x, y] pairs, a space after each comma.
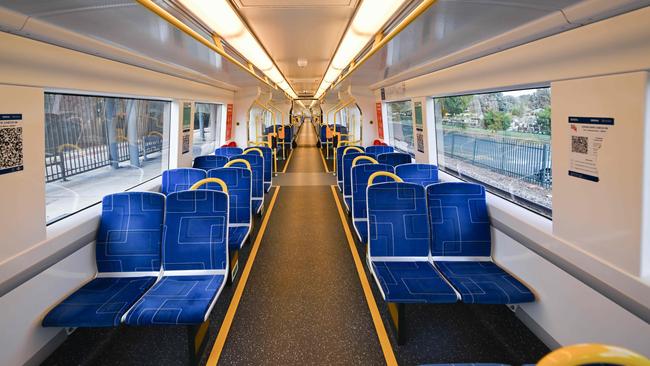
{"points": [[517, 158]]}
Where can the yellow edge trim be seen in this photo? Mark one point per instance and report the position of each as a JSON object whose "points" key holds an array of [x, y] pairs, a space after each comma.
{"points": [[384, 341], [215, 353], [286, 164], [203, 181], [590, 353], [354, 162], [383, 174], [235, 161], [327, 170]]}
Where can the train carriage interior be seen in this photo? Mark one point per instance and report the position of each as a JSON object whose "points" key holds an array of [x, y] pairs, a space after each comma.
{"points": [[325, 182]]}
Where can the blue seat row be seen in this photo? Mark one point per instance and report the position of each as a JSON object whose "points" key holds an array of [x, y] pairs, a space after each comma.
{"points": [[201, 162], [433, 245], [160, 261]]}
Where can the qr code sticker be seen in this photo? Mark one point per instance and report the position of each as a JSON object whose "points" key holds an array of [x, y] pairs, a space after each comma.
{"points": [[186, 143], [580, 144], [11, 147]]}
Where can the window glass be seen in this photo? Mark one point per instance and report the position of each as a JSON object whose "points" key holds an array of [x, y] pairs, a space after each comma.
{"points": [[96, 145], [502, 140], [400, 126], [207, 128]]}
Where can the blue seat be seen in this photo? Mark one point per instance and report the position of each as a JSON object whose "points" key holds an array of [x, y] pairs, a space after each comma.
{"points": [[460, 228], [207, 162], [127, 255], [339, 163], [346, 166], [376, 150], [268, 165], [422, 174], [394, 158], [228, 151], [360, 174], [239, 184], [398, 248], [257, 175], [181, 179], [195, 261]]}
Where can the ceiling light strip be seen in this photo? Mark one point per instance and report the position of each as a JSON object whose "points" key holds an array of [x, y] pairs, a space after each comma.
{"points": [[155, 8]]}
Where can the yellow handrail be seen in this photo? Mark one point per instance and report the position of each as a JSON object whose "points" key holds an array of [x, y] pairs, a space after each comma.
{"points": [[203, 181], [235, 161], [374, 175], [373, 161], [583, 354], [258, 150], [345, 151]]}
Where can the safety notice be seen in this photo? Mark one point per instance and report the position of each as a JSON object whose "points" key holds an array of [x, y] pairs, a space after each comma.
{"points": [[11, 143], [587, 137]]}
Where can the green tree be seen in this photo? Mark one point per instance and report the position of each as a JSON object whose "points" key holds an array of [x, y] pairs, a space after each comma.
{"points": [[540, 99], [497, 121], [455, 105], [544, 120], [517, 111]]}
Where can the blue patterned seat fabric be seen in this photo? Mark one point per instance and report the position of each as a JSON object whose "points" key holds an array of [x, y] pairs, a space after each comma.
{"points": [[257, 176], [339, 163], [228, 151], [239, 185], [207, 162], [128, 261], [394, 158], [460, 227], [268, 165], [181, 179], [398, 230], [347, 176], [422, 174], [375, 150], [360, 175], [195, 259]]}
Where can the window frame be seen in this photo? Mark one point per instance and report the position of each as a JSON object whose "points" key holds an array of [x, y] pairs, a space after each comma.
{"points": [[387, 125], [541, 211]]}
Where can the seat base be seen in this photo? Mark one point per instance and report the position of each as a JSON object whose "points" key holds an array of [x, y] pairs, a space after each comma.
{"points": [[484, 283], [361, 228], [412, 282], [177, 300], [99, 303]]}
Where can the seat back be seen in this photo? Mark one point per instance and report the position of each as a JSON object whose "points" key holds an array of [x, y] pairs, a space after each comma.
{"points": [[130, 232], [397, 220], [239, 182], [340, 151], [346, 165], [459, 220], [196, 231], [268, 161], [181, 179], [323, 133], [207, 162], [360, 174], [228, 151], [394, 158], [422, 174], [288, 134], [375, 150], [257, 173]]}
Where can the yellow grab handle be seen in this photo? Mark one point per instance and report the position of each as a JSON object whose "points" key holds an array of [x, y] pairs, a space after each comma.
{"points": [[373, 161], [203, 181], [345, 151], [588, 353], [383, 174], [235, 161], [254, 149]]}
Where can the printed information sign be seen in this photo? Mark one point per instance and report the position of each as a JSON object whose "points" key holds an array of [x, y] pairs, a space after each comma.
{"points": [[11, 143], [587, 137]]}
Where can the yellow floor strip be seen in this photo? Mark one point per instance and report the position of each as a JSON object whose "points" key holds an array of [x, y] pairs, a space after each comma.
{"points": [[286, 163], [234, 303], [384, 341], [327, 170]]}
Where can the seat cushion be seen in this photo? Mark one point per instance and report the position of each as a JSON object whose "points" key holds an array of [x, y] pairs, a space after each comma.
{"points": [[176, 300], [236, 236], [361, 227], [99, 303], [412, 282], [484, 283]]}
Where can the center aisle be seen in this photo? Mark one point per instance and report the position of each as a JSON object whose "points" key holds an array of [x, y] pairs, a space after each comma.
{"points": [[303, 302]]}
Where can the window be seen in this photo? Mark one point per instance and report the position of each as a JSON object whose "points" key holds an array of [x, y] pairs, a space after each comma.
{"points": [[399, 119], [502, 140], [95, 146], [207, 128]]}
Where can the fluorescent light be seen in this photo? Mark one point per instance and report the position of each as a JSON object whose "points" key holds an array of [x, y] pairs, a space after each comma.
{"points": [[372, 15], [331, 75], [246, 44], [275, 75], [350, 46]]}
